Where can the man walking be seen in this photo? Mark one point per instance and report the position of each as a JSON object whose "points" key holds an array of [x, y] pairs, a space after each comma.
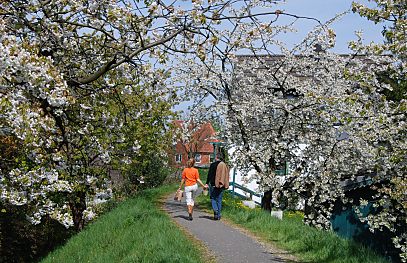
{"points": [[217, 180]]}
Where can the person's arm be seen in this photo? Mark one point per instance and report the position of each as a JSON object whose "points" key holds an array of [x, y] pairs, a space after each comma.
{"points": [[199, 181], [182, 182]]}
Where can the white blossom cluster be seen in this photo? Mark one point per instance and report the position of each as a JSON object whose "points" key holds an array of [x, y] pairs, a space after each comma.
{"points": [[71, 129], [324, 113], [80, 81], [394, 194]]}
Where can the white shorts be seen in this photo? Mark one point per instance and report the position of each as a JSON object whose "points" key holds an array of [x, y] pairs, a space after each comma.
{"points": [[190, 193]]}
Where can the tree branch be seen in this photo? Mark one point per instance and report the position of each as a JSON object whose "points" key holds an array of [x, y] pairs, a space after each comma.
{"points": [[113, 63]]}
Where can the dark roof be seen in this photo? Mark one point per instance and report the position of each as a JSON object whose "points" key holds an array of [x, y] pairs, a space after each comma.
{"points": [[357, 182]]}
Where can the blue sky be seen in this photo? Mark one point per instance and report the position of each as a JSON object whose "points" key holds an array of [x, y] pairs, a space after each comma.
{"points": [[325, 10]]}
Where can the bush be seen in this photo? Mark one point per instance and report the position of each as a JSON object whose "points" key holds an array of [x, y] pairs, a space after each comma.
{"points": [[149, 172]]}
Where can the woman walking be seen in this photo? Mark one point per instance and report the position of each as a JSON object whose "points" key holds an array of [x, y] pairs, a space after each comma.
{"points": [[190, 176]]}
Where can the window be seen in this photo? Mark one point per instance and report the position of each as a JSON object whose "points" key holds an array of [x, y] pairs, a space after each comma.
{"points": [[178, 158], [198, 158]]}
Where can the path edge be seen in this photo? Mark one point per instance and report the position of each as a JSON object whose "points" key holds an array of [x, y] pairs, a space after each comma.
{"points": [[208, 256], [268, 245]]}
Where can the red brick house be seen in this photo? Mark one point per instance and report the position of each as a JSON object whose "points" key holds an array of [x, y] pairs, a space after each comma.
{"points": [[197, 141]]}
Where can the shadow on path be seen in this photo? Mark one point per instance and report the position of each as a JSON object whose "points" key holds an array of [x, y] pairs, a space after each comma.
{"points": [[184, 217], [207, 217]]}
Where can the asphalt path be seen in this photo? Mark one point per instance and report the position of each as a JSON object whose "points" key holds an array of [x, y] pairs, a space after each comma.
{"points": [[226, 243]]}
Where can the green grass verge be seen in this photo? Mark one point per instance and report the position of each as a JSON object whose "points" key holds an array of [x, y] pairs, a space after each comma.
{"points": [[307, 243], [136, 231], [203, 174]]}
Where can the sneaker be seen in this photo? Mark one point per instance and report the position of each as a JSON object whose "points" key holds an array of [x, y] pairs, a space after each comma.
{"points": [[190, 217]]}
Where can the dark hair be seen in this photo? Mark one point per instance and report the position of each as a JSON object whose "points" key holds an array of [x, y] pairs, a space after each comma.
{"points": [[190, 162], [221, 155]]}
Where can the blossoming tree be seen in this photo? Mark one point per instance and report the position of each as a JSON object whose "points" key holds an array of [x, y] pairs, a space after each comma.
{"points": [[76, 73], [327, 114], [77, 95], [81, 81], [393, 194], [69, 134]]}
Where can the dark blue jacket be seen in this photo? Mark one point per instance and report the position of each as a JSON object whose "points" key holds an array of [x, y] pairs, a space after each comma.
{"points": [[212, 173]]}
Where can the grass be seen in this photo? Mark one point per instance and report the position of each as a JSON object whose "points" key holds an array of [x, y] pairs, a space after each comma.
{"points": [[203, 174], [307, 243], [136, 231]]}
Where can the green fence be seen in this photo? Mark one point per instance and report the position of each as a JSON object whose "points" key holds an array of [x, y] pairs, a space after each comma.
{"points": [[234, 185]]}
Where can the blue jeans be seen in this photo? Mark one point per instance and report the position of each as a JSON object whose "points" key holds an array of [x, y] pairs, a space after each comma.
{"points": [[216, 195]]}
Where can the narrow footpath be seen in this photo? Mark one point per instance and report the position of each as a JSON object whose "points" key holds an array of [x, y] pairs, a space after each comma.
{"points": [[227, 243]]}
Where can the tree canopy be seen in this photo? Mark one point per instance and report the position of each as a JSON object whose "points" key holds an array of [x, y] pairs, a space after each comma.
{"points": [[87, 85]]}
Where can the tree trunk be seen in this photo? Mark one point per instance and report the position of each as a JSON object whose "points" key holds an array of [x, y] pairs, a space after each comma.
{"points": [[266, 200], [78, 205]]}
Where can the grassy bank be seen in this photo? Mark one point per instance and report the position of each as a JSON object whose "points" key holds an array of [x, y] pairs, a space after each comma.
{"points": [[307, 243], [136, 231]]}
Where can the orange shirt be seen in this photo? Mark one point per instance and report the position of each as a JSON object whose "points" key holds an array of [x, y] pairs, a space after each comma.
{"points": [[190, 175]]}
